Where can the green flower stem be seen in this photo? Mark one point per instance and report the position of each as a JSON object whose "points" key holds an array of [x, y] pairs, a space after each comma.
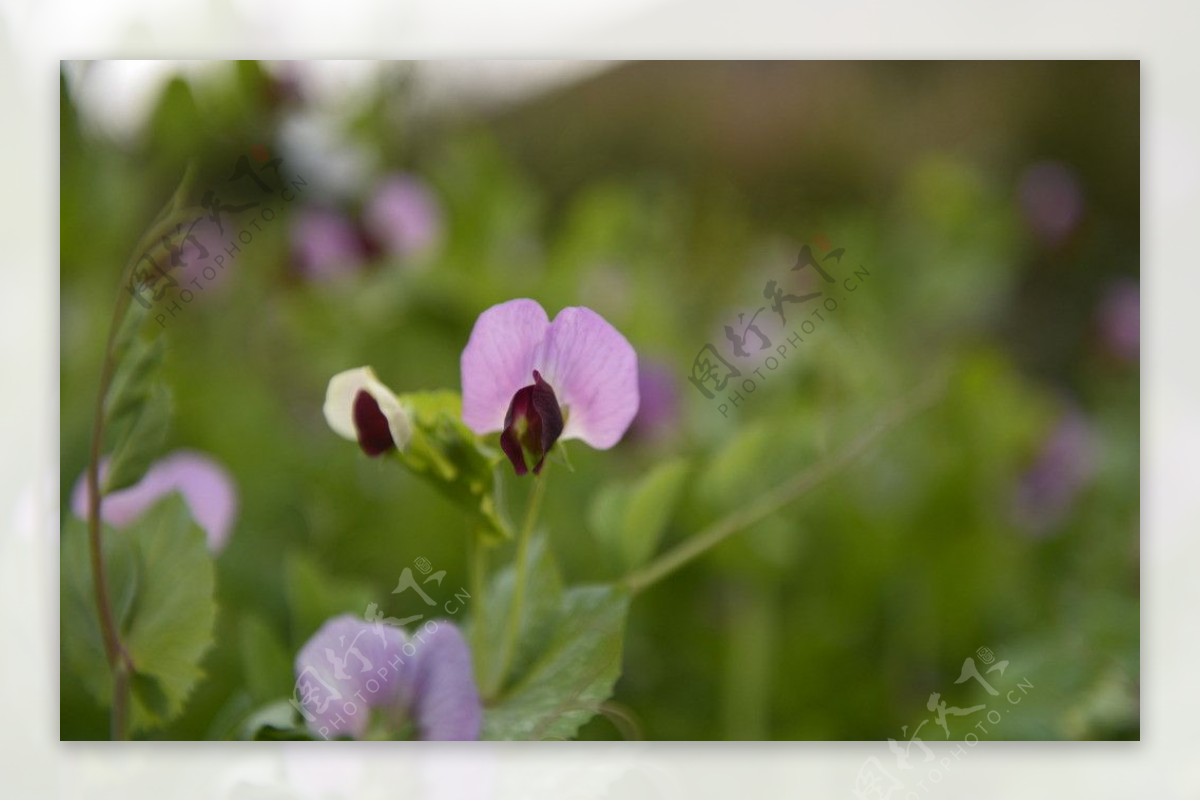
{"points": [[118, 658], [781, 495], [477, 576], [513, 626], [114, 651]]}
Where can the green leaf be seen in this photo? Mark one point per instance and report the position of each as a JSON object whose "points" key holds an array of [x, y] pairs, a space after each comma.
{"points": [[606, 515], [738, 466], [630, 520], [140, 441], [134, 381], [80, 641], [266, 664], [177, 205], [450, 456], [275, 721], [150, 693], [314, 597], [543, 597], [131, 323], [578, 662], [162, 563]]}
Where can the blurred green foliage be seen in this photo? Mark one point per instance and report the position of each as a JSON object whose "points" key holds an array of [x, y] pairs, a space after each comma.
{"points": [[664, 196]]}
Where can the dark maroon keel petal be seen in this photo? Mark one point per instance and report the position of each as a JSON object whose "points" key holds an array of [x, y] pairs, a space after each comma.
{"points": [[512, 449], [374, 433], [533, 424], [549, 416]]}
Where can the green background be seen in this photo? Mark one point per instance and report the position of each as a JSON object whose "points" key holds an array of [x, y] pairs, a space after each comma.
{"points": [[664, 196]]}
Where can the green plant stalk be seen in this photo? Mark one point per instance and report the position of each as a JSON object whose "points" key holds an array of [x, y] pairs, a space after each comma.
{"points": [[118, 658], [513, 627], [114, 651], [784, 493], [750, 632], [477, 576]]}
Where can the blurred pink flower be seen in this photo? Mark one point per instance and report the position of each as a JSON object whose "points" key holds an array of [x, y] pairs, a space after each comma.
{"points": [[351, 668], [403, 216], [1063, 467], [206, 487], [326, 244], [658, 394], [203, 253], [1120, 320], [1051, 201]]}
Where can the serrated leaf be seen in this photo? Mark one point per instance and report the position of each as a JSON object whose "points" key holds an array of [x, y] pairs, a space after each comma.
{"points": [[150, 694], [630, 519], [167, 628], [577, 664], [450, 456], [133, 382], [172, 624], [140, 441], [131, 323]]}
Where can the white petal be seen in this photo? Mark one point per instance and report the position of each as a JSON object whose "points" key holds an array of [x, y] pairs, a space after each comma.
{"points": [[339, 404]]}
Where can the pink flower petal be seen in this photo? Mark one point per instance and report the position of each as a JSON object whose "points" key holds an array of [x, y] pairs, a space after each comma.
{"points": [[498, 360], [445, 699], [344, 670], [206, 487], [593, 370], [351, 668]]}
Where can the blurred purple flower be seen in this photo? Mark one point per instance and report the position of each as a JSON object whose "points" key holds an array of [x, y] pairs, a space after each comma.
{"points": [[1062, 468], [535, 380], [1120, 320], [326, 244], [1051, 201], [403, 216], [658, 393], [206, 487], [197, 248], [351, 669]]}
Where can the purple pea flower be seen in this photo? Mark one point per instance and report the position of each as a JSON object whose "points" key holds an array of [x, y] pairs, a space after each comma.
{"points": [[202, 253], [326, 244], [658, 411], [403, 216], [1051, 201], [206, 487], [1120, 320], [1062, 468], [538, 381], [352, 670]]}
